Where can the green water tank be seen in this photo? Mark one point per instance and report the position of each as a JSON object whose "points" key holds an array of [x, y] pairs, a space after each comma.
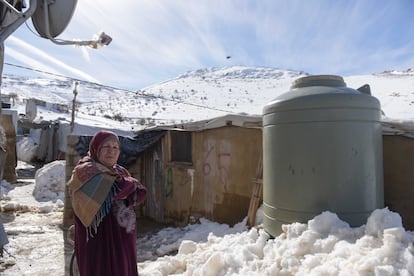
{"points": [[322, 151]]}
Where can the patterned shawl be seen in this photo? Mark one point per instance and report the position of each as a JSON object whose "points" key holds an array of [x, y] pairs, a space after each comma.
{"points": [[92, 190]]}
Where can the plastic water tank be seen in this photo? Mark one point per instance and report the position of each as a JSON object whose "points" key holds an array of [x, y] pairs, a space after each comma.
{"points": [[322, 151]]}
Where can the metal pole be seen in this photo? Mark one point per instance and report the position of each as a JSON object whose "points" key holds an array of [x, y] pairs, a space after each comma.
{"points": [[75, 93]]}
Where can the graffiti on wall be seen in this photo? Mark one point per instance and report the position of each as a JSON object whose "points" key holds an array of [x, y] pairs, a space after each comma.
{"points": [[217, 161], [186, 181], [215, 167], [169, 183]]}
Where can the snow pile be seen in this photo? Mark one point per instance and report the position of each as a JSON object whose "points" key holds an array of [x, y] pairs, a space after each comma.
{"points": [[46, 194], [324, 246], [50, 182], [26, 147]]}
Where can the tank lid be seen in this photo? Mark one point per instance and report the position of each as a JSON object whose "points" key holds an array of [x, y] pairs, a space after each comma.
{"points": [[319, 80]]}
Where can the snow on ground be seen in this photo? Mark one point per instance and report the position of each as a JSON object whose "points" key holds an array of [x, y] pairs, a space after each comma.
{"points": [[33, 210]]}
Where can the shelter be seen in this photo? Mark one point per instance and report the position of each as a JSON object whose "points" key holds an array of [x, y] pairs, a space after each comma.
{"points": [[203, 169]]}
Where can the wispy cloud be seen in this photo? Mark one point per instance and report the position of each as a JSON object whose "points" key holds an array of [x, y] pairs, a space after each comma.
{"points": [[154, 40], [36, 58]]}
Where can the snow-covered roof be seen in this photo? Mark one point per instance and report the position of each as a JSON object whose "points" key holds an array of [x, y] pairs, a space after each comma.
{"points": [[239, 120], [398, 127], [389, 126]]}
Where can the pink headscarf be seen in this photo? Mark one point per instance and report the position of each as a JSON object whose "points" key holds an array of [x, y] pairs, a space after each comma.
{"points": [[97, 141]]}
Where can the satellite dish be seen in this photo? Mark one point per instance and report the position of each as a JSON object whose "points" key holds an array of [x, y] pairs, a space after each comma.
{"points": [[59, 13], [31, 109]]}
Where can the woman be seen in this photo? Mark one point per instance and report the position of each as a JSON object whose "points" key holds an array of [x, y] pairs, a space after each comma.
{"points": [[103, 198]]}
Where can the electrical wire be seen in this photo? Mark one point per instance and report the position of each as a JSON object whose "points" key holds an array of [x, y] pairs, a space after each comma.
{"points": [[139, 93]]}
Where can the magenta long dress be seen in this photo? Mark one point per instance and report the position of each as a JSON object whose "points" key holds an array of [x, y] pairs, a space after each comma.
{"points": [[112, 249]]}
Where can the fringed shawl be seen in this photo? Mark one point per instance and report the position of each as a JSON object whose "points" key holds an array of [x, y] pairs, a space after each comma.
{"points": [[92, 190]]}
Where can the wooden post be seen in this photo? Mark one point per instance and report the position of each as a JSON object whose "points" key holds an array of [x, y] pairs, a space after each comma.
{"points": [[9, 169], [75, 93], [256, 193], [72, 158]]}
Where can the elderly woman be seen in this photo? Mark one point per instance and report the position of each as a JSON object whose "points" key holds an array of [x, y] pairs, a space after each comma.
{"points": [[103, 198]]}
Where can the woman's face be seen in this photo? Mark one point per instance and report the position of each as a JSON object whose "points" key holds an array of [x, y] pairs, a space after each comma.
{"points": [[109, 152]]}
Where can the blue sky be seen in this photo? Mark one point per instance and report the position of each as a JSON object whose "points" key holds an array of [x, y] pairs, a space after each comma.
{"points": [[156, 40]]}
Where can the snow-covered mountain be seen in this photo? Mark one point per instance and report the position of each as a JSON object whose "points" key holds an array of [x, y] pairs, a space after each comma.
{"points": [[192, 96]]}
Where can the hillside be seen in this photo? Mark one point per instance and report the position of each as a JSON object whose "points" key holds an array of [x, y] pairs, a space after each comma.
{"points": [[192, 96]]}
